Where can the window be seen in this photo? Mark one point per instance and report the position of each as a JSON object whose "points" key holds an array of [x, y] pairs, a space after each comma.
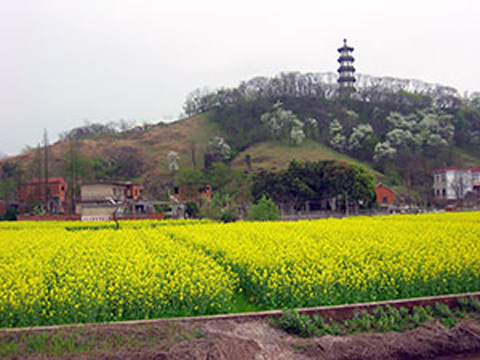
{"points": [[384, 200]]}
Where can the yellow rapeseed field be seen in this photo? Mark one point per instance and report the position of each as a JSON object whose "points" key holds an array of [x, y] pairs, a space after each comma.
{"points": [[64, 272]]}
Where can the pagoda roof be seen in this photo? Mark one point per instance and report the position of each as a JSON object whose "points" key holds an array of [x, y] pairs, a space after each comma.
{"points": [[346, 69], [346, 79], [345, 47], [346, 58]]}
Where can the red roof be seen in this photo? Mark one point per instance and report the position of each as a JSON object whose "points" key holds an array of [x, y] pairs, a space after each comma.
{"points": [[50, 180], [457, 168]]}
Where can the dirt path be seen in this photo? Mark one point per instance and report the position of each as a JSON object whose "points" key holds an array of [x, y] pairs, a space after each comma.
{"points": [[239, 340]]}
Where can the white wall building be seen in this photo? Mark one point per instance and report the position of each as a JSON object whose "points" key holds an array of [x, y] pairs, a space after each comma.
{"points": [[453, 183]]}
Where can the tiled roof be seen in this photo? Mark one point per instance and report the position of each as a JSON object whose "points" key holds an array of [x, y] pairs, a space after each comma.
{"points": [[457, 168]]}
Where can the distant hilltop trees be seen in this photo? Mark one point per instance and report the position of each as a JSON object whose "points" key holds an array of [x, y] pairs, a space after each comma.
{"points": [[324, 86]]}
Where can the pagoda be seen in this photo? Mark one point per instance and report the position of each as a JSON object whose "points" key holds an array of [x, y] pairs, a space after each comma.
{"points": [[346, 71]]}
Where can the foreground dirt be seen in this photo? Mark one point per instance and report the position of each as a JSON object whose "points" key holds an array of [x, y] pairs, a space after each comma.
{"points": [[239, 340]]}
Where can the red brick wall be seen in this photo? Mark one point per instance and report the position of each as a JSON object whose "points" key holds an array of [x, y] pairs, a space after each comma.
{"points": [[36, 191], [3, 207], [384, 195], [48, 217], [155, 216]]}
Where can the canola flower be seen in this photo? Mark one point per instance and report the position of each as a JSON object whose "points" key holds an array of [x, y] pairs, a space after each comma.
{"points": [[50, 276], [336, 261], [68, 272]]}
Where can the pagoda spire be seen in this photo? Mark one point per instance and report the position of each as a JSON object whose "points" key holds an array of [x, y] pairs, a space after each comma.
{"points": [[346, 71]]}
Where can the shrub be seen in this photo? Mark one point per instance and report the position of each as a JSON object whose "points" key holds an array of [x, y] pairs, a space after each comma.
{"points": [[265, 210]]}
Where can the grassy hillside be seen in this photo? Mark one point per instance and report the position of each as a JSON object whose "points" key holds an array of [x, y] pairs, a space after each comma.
{"points": [[150, 145], [276, 155]]}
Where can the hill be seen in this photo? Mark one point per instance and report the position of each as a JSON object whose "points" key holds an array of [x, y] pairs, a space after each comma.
{"points": [[272, 155], [398, 129]]}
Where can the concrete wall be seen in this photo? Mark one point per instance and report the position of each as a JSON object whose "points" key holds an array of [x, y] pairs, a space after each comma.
{"points": [[99, 192], [100, 211]]}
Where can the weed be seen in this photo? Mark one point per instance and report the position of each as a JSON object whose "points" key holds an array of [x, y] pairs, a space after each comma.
{"points": [[198, 333], [60, 345], [294, 323], [380, 319], [442, 310], [8, 348], [448, 322], [298, 348], [37, 343]]}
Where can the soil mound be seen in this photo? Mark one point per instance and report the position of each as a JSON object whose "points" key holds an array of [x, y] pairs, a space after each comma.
{"points": [[258, 340], [422, 343]]}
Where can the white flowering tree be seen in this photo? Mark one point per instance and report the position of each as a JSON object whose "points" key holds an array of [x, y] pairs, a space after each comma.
{"points": [[217, 151], [297, 136], [337, 138], [283, 125], [383, 150], [172, 159], [359, 137]]}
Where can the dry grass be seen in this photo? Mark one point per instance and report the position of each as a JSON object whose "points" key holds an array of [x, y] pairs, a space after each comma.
{"points": [[153, 144], [275, 155]]}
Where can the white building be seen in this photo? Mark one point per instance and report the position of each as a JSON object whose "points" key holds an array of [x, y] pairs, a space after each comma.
{"points": [[453, 183]]}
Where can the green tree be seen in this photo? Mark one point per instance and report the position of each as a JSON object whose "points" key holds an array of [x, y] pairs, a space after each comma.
{"points": [[264, 210], [189, 177], [218, 175], [10, 180], [77, 168], [315, 181]]}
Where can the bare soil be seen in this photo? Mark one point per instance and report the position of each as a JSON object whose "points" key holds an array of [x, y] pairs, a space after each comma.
{"points": [[235, 340]]}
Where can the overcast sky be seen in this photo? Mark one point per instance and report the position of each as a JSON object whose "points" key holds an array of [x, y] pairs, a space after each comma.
{"points": [[63, 61]]}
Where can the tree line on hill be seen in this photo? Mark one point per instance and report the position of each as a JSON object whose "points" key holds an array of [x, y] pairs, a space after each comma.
{"points": [[401, 133]]}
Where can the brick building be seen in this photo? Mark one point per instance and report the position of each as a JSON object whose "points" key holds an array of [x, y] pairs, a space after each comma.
{"points": [[199, 194], [3, 207], [384, 195], [34, 192]]}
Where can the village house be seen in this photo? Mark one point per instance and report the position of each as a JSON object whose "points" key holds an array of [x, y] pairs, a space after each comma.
{"points": [[37, 191], [105, 200], [200, 195], [454, 183], [385, 196]]}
